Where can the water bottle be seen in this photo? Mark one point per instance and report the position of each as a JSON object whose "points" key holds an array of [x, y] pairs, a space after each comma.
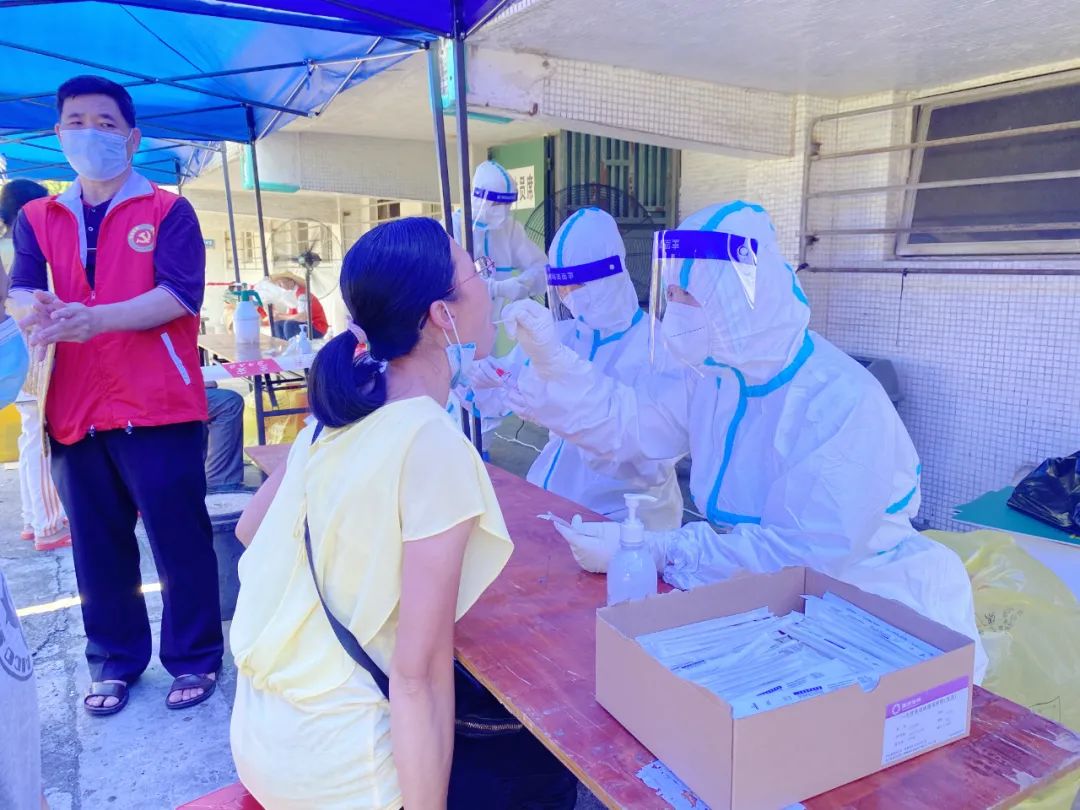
{"points": [[304, 343], [632, 571], [246, 321]]}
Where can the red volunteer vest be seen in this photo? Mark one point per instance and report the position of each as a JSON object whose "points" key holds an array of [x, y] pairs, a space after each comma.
{"points": [[119, 379]]}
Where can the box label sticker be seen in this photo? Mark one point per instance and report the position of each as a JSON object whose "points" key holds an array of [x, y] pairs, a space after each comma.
{"points": [[925, 720]]}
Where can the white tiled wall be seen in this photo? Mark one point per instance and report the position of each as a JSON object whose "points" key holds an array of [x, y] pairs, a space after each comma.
{"points": [[375, 167], [631, 104], [668, 105], [989, 364]]}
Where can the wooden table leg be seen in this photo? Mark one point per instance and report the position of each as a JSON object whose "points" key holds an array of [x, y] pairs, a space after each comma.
{"points": [[260, 417]]}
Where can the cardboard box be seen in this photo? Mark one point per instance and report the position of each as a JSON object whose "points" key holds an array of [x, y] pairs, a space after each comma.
{"points": [[779, 757]]}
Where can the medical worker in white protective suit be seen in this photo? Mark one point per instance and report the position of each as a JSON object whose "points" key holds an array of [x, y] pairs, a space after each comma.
{"points": [[794, 444], [587, 272], [519, 262]]}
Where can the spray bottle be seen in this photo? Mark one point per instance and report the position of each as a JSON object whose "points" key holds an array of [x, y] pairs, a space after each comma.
{"points": [[246, 321], [632, 571]]}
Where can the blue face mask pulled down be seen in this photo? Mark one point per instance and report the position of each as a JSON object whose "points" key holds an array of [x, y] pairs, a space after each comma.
{"points": [[14, 362], [460, 355]]}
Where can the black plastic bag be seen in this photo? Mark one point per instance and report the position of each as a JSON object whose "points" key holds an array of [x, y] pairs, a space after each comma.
{"points": [[1052, 493]]}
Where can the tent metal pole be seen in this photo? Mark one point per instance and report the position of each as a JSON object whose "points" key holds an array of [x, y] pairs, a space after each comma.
{"points": [[441, 161], [258, 193], [464, 162], [495, 11], [259, 208], [179, 177], [292, 97], [229, 210]]}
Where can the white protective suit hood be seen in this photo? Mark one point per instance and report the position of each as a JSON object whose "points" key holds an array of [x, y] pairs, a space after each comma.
{"points": [[494, 191], [758, 340], [588, 244]]}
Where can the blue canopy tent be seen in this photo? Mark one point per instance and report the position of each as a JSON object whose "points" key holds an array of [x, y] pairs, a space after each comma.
{"points": [[190, 76], [197, 81], [407, 21], [236, 74]]}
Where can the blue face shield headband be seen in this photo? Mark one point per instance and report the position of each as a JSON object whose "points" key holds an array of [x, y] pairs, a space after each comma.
{"points": [[584, 273], [704, 245], [504, 197], [675, 252]]}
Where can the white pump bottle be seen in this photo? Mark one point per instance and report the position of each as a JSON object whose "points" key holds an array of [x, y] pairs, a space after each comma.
{"points": [[632, 571]]}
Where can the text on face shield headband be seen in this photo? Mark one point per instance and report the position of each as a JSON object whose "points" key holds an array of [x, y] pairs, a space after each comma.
{"points": [[507, 197], [715, 245], [584, 273]]}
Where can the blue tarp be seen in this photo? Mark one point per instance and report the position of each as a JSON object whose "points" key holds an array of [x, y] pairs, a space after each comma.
{"points": [[190, 75], [408, 20]]}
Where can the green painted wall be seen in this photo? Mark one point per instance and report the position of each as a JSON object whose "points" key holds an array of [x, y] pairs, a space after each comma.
{"points": [[520, 155]]}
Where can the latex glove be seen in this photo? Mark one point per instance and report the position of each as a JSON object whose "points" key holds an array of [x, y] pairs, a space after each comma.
{"points": [[595, 543], [520, 404], [509, 289], [486, 374], [533, 327]]}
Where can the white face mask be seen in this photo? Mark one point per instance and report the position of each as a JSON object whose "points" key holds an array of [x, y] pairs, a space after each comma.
{"points": [[94, 154], [492, 216], [577, 302], [686, 333], [605, 313], [606, 305], [460, 355]]}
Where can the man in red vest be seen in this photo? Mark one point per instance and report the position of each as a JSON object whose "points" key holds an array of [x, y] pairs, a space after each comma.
{"points": [[125, 406]]}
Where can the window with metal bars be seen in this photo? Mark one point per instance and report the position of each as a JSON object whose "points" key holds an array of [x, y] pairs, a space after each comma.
{"points": [[995, 175], [646, 173]]}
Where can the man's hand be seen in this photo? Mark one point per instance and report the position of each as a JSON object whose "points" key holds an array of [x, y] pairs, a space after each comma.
{"points": [[53, 321], [36, 308]]}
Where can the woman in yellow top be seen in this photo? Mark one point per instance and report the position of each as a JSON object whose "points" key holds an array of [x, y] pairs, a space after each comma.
{"points": [[406, 534]]}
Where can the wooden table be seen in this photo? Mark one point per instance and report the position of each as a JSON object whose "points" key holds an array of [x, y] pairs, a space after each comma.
{"points": [[531, 640], [225, 349]]}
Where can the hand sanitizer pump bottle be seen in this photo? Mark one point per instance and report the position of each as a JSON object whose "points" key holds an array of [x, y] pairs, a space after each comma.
{"points": [[632, 571]]}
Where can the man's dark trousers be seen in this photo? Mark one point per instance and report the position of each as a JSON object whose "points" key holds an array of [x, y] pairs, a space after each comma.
{"points": [[105, 481]]}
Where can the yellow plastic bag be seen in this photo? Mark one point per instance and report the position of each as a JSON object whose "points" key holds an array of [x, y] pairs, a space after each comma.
{"points": [[1029, 622], [279, 429]]}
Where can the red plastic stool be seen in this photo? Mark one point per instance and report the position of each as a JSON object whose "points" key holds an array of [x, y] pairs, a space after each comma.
{"points": [[234, 797]]}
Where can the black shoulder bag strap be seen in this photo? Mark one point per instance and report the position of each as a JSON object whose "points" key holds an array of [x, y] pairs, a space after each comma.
{"points": [[344, 635]]}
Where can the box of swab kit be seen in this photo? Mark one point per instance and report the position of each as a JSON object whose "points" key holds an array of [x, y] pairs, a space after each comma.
{"points": [[768, 689]]}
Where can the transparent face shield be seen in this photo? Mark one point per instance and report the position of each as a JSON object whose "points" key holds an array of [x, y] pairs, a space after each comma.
{"points": [[491, 209], [570, 280], [693, 268]]}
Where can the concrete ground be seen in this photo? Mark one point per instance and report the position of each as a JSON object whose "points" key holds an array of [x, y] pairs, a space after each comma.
{"points": [[146, 757]]}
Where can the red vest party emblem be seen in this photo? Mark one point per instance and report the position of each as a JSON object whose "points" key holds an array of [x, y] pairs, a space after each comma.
{"points": [[141, 238]]}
